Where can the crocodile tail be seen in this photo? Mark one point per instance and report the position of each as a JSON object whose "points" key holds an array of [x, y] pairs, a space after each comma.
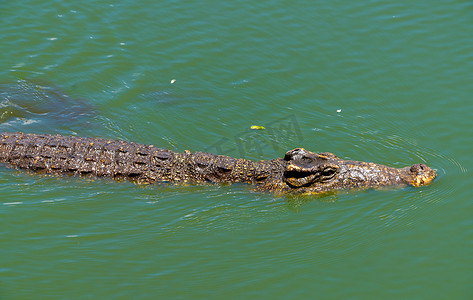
{"points": [[82, 156]]}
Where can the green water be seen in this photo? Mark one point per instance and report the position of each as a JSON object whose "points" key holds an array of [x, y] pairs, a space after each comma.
{"points": [[382, 81]]}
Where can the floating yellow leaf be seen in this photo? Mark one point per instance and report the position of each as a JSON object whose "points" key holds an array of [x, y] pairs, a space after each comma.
{"points": [[256, 127]]}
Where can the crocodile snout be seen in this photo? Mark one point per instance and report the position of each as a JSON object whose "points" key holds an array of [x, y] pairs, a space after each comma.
{"points": [[421, 175]]}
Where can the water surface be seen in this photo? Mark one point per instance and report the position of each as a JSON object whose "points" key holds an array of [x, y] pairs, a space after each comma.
{"points": [[375, 81]]}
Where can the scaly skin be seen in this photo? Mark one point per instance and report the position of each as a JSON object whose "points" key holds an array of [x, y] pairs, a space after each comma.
{"points": [[300, 171]]}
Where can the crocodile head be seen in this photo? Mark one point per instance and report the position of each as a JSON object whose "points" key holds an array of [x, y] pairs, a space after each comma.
{"points": [[309, 172]]}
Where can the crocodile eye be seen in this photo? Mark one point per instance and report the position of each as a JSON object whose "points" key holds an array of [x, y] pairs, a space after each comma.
{"points": [[307, 160], [328, 173]]}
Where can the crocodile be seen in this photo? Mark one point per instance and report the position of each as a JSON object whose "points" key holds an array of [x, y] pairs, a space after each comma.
{"points": [[299, 171]]}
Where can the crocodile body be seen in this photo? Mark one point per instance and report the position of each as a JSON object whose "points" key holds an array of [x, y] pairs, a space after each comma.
{"points": [[300, 171]]}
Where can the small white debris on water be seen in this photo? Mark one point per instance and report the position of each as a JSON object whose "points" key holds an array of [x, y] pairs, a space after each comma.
{"points": [[173, 80], [122, 44], [72, 236], [339, 110], [52, 38]]}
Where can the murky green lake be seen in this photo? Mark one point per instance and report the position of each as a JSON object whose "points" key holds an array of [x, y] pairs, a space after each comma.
{"points": [[382, 81]]}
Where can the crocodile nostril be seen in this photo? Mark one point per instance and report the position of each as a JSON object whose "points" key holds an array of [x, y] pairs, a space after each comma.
{"points": [[418, 168]]}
